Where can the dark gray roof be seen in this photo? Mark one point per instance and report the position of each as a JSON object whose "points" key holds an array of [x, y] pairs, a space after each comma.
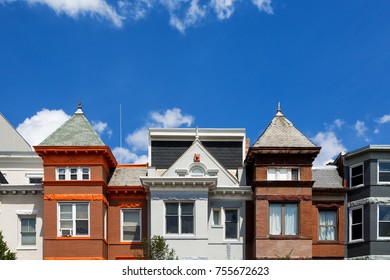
{"points": [[127, 176], [2, 179], [77, 131], [327, 177], [282, 133]]}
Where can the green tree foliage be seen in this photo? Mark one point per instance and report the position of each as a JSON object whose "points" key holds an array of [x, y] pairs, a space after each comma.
{"points": [[5, 252], [156, 248]]}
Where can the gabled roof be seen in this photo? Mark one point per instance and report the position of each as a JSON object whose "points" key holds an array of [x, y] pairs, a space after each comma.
{"points": [[327, 178], [206, 161], [282, 133], [77, 131], [10, 139], [127, 175]]}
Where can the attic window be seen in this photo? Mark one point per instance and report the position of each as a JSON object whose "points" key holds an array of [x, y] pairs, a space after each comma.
{"points": [[197, 172]]}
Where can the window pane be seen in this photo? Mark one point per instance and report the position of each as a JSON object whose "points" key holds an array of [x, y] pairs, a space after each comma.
{"points": [[35, 180], [231, 224], [358, 180], [357, 231], [283, 174], [131, 217], [187, 208], [172, 224], [216, 217], [384, 212], [357, 216], [275, 219], [28, 238], [327, 228], [357, 170], [131, 233], [66, 224], [28, 224], [384, 177], [384, 229], [172, 208], [294, 174], [81, 227], [328, 218], [384, 166], [81, 211], [187, 224], [291, 219], [65, 211]]}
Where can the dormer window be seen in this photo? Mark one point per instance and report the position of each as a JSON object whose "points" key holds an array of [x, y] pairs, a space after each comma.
{"points": [[197, 172]]}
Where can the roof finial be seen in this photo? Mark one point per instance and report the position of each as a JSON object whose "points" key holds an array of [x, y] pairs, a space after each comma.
{"points": [[279, 113], [197, 133], [79, 108]]}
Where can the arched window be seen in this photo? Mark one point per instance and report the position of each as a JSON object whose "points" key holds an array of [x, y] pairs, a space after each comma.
{"points": [[197, 171]]}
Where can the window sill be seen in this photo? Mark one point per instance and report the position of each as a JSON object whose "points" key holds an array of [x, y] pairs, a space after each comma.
{"points": [[217, 226], [73, 237], [130, 243], [355, 241], [26, 248], [284, 237]]}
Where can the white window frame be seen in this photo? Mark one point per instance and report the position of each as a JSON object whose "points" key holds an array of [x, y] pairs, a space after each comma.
{"points": [[179, 216], [73, 219], [20, 233], [382, 182], [139, 210], [237, 227], [336, 225], [350, 224], [68, 174], [278, 176], [350, 175], [377, 221]]}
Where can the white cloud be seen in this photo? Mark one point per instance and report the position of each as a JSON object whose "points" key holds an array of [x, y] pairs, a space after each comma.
{"points": [[171, 118], [338, 123], [182, 13], [360, 128], [124, 155], [330, 145], [263, 6], [40, 126], [138, 140], [223, 8], [384, 119], [101, 127]]}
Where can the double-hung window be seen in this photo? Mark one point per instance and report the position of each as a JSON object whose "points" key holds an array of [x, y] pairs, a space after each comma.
{"points": [[356, 175], [383, 221], [73, 173], [327, 229], [356, 224], [231, 224], [283, 174], [131, 225], [384, 171], [73, 219], [283, 219], [28, 232], [179, 217]]}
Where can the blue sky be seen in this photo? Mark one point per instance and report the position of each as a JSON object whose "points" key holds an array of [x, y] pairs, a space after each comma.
{"points": [[188, 63]]}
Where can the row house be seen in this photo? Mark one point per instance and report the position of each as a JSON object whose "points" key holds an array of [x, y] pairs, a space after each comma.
{"points": [[367, 175], [206, 191], [296, 216], [21, 194]]}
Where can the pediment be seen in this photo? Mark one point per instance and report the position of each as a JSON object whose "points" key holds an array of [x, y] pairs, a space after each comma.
{"points": [[198, 162]]}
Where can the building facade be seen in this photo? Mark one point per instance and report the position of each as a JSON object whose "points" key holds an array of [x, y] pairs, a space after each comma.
{"points": [[197, 191], [367, 174], [21, 194]]}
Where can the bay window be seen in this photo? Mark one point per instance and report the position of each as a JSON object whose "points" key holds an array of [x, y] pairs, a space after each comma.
{"points": [[73, 219], [283, 219]]}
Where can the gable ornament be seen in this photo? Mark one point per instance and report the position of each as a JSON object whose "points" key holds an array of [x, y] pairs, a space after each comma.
{"points": [[196, 157]]}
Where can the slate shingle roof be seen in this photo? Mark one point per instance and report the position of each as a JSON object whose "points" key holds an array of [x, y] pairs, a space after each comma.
{"points": [[77, 131], [327, 177], [282, 133], [127, 176]]}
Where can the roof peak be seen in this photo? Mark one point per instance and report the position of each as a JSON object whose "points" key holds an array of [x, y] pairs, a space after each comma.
{"points": [[79, 108], [279, 112]]}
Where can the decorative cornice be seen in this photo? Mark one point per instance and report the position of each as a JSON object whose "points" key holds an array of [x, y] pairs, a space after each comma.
{"points": [[73, 197], [369, 200], [284, 197], [131, 205]]}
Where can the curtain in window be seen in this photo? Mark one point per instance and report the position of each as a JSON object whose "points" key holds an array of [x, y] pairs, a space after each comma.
{"points": [[291, 219], [275, 219], [327, 229]]}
